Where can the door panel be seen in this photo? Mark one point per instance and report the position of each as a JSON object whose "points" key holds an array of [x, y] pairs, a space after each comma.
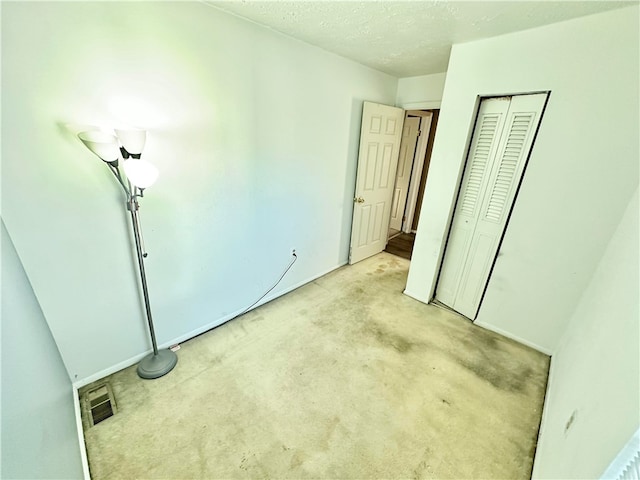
{"points": [[387, 161], [363, 227], [495, 166], [447, 284], [377, 163], [472, 281], [483, 147], [410, 133]]}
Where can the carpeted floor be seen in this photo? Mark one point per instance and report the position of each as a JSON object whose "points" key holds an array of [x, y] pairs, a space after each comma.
{"points": [[345, 377]]}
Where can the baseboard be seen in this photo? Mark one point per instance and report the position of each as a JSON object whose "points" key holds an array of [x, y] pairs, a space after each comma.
{"points": [[487, 326], [198, 331], [545, 414], [114, 368], [83, 448], [227, 318], [504, 333]]}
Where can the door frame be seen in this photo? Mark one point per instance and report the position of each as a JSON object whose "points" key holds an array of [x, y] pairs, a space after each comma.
{"points": [[417, 109], [426, 123], [407, 171]]}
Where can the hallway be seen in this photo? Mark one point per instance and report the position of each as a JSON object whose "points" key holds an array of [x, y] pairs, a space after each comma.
{"points": [[401, 245]]}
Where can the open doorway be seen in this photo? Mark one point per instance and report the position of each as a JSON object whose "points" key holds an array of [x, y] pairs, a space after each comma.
{"points": [[411, 178]]}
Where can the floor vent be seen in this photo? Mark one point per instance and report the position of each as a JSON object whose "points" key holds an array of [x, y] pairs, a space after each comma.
{"points": [[99, 404]]}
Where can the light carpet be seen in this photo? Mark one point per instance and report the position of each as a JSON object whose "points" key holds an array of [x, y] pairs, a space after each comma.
{"points": [[345, 377]]}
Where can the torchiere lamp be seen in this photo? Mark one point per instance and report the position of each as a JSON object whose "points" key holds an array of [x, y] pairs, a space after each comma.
{"points": [[127, 145]]}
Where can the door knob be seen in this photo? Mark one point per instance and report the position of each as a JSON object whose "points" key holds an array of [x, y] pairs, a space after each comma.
{"points": [[358, 200]]}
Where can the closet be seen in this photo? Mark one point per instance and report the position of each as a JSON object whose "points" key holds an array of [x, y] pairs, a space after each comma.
{"points": [[502, 139]]}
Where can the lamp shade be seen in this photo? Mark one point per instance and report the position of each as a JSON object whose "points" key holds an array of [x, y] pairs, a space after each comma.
{"points": [[132, 139], [104, 145], [141, 173]]}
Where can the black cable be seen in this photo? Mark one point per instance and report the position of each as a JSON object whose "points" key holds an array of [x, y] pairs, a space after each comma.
{"points": [[295, 257]]}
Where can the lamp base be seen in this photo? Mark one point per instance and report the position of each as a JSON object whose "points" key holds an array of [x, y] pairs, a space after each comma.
{"points": [[155, 366]]}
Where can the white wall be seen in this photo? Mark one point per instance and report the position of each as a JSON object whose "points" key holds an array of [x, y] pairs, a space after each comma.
{"points": [[256, 139], [595, 371], [581, 174], [421, 92], [39, 431]]}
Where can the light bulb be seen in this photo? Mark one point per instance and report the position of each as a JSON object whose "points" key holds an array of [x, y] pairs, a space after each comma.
{"points": [[141, 173]]}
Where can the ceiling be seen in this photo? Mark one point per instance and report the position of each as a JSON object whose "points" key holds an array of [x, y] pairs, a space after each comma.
{"points": [[405, 38]]}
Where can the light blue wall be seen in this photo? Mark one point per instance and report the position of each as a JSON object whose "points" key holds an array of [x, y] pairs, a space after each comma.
{"points": [[595, 373], [581, 174], [256, 139], [39, 435]]}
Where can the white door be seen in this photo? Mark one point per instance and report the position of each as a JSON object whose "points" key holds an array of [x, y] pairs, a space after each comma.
{"points": [[416, 171], [377, 162], [410, 132], [500, 146]]}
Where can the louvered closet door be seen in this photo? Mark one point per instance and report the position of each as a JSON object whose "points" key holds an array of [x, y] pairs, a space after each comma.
{"points": [[500, 146]]}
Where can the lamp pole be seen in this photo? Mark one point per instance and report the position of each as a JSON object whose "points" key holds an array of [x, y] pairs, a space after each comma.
{"points": [[140, 174], [133, 206], [160, 362]]}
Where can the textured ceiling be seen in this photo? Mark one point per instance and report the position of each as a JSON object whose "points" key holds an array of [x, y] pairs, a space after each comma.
{"points": [[405, 38]]}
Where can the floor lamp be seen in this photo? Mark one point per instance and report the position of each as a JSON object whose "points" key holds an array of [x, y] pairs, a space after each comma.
{"points": [[127, 146]]}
